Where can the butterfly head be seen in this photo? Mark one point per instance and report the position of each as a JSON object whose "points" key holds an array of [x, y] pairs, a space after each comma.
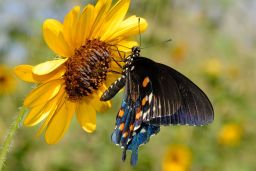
{"points": [[135, 51]]}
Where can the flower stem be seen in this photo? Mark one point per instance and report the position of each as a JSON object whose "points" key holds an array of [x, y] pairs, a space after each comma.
{"points": [[9, 137]]}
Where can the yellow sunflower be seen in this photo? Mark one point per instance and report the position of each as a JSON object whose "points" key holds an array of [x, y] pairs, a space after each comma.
{"points": [[87, 43], [7, 81], [177, 158], [230, 134]]}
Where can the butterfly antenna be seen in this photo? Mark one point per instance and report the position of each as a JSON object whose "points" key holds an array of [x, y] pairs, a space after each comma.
{"points": [[139, 31], [154, 45]]}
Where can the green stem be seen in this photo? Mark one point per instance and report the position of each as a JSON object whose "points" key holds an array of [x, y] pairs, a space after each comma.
{"points": [[9, 138]]}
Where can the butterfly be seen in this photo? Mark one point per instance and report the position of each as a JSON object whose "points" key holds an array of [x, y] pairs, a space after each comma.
{"points": [[154, 95]]}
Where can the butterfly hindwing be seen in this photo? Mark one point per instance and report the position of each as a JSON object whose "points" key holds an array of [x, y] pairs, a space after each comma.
{"points": [[142, 136], [130, 131]]}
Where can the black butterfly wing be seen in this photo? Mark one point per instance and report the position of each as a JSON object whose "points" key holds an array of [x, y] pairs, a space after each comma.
{"points": [[159, 90], [175, 99], [145, 97], [130, 132], [156, 95]]}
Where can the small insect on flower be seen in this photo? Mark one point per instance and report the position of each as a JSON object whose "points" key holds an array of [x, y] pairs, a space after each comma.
{"points": [[86, 43], [155, 95], [7, 81]]}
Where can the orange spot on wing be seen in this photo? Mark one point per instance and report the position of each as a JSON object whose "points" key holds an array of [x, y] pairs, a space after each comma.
{"points": [[145, 82], [138, 114], [121, 113], [131, 127], [121, 127], [125, 134], [144, 101]]}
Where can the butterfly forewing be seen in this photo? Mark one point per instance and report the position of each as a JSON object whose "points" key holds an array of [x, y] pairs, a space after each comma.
{"points": [[173, 99], [195, 108]]}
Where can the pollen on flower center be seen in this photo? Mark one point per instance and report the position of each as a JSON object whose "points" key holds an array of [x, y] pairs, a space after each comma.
{"points": [[86, 69]]}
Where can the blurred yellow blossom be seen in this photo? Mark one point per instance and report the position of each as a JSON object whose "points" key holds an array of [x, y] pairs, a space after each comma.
{"points": [[213, 67], [7, 81], [179, 52], [233, 72], [177, 158], [230, 134]]}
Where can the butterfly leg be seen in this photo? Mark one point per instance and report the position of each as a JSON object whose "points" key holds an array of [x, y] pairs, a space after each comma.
{"points": [[124, 153]]}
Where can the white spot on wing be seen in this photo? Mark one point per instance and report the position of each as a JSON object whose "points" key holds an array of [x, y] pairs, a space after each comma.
{"points": [[143, 130], [135, 128], [146, 113], [150, 97]]}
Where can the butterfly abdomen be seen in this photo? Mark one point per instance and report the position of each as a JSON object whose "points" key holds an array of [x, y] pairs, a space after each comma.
{"points": [[113, 89]]}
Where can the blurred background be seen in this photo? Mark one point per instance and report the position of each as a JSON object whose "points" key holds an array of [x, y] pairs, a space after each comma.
{"points": [[213, 43]]}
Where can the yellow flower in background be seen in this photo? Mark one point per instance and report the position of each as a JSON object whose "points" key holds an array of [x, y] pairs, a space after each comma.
{"points": [[7, 81], [230, 134], [87, 42], [233, 72], [179, 52], [177, 158], [213, 67]]}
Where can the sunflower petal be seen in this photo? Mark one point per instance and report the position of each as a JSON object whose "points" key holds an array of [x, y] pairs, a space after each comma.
{"points": [[69, 25], [40, 112], [60, 122], [130, 27], [53, 36], [101, 10], [126, 46], [24, 72], [57, 74], [98, 105], [114, 18], [86, 116], [43, 93], [111, 78], [85, 23], [34, 111], [48, 67], [61, 101]]}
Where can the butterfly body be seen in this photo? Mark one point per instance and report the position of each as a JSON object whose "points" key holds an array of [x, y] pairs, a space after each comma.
{"points": [[155, 95]]}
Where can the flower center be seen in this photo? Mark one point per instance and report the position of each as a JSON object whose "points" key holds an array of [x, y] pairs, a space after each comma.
{"points": [[86, 69], [2, 79]]}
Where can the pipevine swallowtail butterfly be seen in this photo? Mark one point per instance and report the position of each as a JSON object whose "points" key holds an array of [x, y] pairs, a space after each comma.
{"points": [[154, 95]]}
